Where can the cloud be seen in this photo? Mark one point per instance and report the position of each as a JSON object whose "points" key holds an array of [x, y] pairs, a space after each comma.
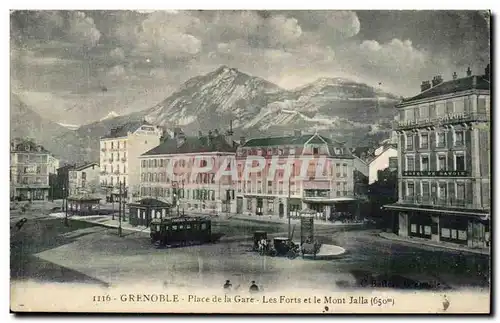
{"points": [[397, 55], [117, 54], [82, 30]]}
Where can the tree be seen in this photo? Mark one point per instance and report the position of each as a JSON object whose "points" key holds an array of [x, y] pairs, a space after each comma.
{"points": [[382, 192]]}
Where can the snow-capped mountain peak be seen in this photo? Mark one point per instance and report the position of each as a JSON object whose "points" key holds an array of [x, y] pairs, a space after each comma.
{"points": [[110, 115]]}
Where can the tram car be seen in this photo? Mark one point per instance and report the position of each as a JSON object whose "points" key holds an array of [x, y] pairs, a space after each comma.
{"points": [[180, 231]]}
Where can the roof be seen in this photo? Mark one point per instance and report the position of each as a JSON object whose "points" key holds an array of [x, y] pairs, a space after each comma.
{"points": [[453, 86], [287, 140], [192, 145], [84, 166], [84, 197], [151, 202], [123, 130], [26, 145], [362, 152]]}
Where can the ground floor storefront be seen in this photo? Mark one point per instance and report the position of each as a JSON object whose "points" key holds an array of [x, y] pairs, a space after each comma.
{"points": [[327, 210], [462, 228], [30, 194]]}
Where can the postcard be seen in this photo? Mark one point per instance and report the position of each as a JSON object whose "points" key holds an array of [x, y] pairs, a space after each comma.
{"points": [[238, 161]]}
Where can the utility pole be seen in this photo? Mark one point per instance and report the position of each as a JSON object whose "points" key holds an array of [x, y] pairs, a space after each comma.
{"points": [[66, 223], [183, 196], [120, 211], [288, 209]]}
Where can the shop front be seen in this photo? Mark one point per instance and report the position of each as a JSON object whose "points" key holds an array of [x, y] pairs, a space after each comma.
{"points": [[420, 225]]}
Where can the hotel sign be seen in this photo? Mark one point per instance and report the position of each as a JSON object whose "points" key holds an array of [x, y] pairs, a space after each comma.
{"points": [[441, 119], [440, 173]]}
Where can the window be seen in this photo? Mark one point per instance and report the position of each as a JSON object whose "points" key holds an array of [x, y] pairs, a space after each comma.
{"points": [[425, 189], [410, 189], [460, 191], [424, 112], [344, 170], [315, 150], [459, 138], [410, 163], [441, 165], [409, 142], [338, 189], [424, 140], [449, 107], [459, 162], [393, 162], [112, 145], [337, 169], [441, 139], [440, 109], [442, 191], [269, 187], [424, 163]]}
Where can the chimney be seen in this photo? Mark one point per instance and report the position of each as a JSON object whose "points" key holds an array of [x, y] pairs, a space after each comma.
{"points": [[487, 72], [469, 72], [177, 131], [181, 137], [437, 80], [210, 137], [454, 75], [297, 133], [243, 140], [229, 134], [425, 86]]}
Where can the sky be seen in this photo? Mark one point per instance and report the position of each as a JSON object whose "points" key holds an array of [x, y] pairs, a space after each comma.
{"points": [[77, 66]]}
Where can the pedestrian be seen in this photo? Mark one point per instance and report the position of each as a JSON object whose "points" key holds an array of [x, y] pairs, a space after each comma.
{"points": [[228, 285], [253, 287]]}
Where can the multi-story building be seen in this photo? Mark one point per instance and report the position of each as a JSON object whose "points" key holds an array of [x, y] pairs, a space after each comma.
{"points": [[182, 171], [119, 157], [31, 165], [84, 179], [444, 161], [320, 176]]}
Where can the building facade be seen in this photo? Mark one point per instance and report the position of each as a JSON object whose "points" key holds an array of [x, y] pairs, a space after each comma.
{"points": [[31, 166], [119, 155], [444, 162], [182, 171], [320, 177], [84, 179], [384, 157]]}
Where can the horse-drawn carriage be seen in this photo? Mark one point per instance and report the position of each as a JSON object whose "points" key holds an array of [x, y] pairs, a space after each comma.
{"points": [[281, 247]]}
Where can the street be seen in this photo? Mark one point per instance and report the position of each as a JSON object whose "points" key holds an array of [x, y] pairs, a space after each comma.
{"points": [[44, 249]]}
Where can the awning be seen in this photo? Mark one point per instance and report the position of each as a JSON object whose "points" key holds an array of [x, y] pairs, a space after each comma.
{"points": [[396, 207], [328, 200]]}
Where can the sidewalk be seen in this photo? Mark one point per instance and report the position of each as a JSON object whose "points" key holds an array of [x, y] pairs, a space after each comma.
{"points": [[283, 220], [442, 245]]}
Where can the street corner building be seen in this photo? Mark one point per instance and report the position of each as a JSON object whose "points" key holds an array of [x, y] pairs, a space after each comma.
{"points": [[119, 157], [181, 172], [32, 168], [327, 189], [444, 162]]}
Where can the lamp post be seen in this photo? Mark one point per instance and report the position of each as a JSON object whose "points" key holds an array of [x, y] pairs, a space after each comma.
{"points": [[120, 211], [288, 203]]}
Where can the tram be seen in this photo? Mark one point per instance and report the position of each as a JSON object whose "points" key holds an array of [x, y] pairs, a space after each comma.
{"points": [[180, 231]]}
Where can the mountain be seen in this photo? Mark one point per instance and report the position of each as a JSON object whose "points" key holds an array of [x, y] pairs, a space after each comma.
{"points": [[212, 100], [110, 115], [69, 126], [26, 123], [338, 107]]}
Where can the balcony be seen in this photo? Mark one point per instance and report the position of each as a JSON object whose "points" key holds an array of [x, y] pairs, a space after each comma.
{"points": [[104, 172], [442, 120], [124, 159], [103, 149], [451, 202], [117, 172]]}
